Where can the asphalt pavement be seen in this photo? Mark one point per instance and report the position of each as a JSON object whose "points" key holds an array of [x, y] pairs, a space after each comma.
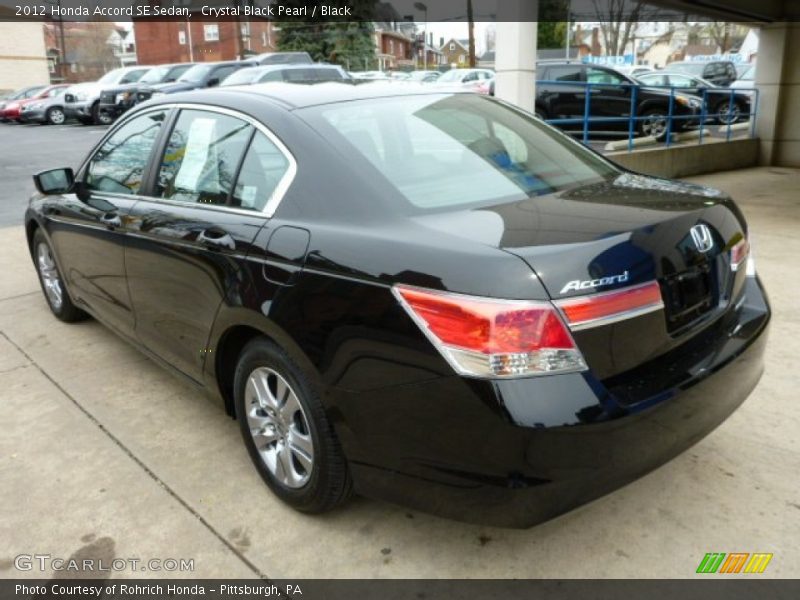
{"points": [[28, 149]]}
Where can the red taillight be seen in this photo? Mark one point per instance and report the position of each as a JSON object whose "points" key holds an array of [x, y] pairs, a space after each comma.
{"points": [[739, 253], [493, 338], [588, 311]]}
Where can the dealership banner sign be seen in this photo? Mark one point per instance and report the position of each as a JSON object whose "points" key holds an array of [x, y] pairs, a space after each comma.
{"points": [[399, 589]]}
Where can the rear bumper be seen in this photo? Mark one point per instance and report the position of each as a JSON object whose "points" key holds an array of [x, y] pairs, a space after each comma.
{"points": [[514, 453], [79, 110]]}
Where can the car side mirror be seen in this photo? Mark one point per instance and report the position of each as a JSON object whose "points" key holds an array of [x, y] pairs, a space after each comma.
{"points": [[54, 181], [214, 81]]}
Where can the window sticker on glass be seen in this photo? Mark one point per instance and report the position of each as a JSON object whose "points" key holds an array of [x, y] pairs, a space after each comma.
{"points": [[248, 196], [196, 154]]}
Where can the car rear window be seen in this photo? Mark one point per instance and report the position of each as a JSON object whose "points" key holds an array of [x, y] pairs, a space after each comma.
{"points": [[450, 151]]}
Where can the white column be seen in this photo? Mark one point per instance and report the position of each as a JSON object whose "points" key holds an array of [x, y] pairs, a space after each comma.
{"points": [[778, 82], [515, 52]]}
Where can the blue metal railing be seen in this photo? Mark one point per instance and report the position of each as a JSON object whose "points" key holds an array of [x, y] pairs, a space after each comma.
{"points": [[694, 110]]}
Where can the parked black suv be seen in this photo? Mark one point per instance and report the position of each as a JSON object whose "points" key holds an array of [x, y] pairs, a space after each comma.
{"points": [[115, 101], [200, 75], [718, 72], [561, 94]]}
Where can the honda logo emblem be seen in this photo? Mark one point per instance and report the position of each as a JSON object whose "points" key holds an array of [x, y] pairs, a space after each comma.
{"points": [[701, 235]]}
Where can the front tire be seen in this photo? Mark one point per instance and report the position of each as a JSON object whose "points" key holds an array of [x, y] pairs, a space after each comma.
{"points": [[654, 123], [55, 292], [99, 117], [286, 431], [728, 112]]}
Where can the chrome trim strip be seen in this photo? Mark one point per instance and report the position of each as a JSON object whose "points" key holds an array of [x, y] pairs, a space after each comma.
{"points": [[77, 223], [277, 194], [612, 318]]}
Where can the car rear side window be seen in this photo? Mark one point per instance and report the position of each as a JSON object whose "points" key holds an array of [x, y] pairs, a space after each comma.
{"points": [[118, 165], [202, 155], [328, 75], [566, 73], [263, 169], [303, 75]]}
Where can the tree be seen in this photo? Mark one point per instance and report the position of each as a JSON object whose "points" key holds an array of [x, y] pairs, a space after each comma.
{"points": [[346, 43], [551, 34], [725, 35], [618, 20]]}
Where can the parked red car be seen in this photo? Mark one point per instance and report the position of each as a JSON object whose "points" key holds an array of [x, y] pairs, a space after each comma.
{"points": [[12, 110]]}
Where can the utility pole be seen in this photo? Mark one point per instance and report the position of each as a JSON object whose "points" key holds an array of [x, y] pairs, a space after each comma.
{"points": [[471, 35]]}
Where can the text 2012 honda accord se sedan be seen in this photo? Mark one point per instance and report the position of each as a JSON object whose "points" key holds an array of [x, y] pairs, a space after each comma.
{"points": [[431, 298]]}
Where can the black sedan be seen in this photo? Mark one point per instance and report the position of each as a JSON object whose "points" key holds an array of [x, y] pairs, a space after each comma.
{"points": [[724, 104], [423, 296]]}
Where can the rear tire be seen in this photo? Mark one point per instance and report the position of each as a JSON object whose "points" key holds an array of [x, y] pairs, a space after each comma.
{"points": [[286, 430], [55, 292], [55, 116]]}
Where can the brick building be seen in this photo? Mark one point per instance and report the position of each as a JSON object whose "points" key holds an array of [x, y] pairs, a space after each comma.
{"points": [[83, 50], [393, 49], [160, 42]]}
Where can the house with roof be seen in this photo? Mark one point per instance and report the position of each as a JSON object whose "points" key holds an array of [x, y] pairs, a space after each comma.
{"points": [[456, 52]]}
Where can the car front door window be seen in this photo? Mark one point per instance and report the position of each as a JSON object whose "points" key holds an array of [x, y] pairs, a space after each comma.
{"points": [[118, 165]]}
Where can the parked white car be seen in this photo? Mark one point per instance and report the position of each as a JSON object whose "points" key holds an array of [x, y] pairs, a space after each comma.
{"points": [[465, 78]]}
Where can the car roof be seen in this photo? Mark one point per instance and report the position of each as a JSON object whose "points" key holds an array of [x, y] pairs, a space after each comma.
{"points": [[294, 96]]}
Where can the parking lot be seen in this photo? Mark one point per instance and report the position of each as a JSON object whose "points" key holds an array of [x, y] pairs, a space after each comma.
{"points": [[122, 460]]}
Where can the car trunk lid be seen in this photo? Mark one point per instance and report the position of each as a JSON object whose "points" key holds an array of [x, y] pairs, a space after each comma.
{"points": [[618, 234]]}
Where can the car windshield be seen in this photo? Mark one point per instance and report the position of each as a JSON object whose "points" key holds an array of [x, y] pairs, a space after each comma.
{"points": [[196, 73], [691, 68], [453, 75], [448, 151], [111, 76], [242, 76], [155, 75]]}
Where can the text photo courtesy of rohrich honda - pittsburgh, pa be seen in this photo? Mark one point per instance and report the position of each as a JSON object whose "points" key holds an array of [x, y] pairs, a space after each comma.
{"points": [[397, 299]]}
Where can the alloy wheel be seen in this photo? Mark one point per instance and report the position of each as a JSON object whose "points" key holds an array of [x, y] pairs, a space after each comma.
{"points": [[729, 112], [49, 274], [279, 427], [56, 116], [654, 125]]}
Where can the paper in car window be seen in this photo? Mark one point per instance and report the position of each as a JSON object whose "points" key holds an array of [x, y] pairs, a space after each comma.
{"points": [[248, 196], [196, 154]]}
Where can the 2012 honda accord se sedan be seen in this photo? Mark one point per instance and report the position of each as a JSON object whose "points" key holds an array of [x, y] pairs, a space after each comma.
{"points": [[422, 296]]}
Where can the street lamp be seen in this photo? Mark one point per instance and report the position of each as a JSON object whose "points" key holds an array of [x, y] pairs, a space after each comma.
{"points": [[420, 6]]}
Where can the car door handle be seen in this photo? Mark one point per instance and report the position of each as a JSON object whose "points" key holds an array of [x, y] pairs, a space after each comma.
{"points": [[216, 238], [111, 219]]}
